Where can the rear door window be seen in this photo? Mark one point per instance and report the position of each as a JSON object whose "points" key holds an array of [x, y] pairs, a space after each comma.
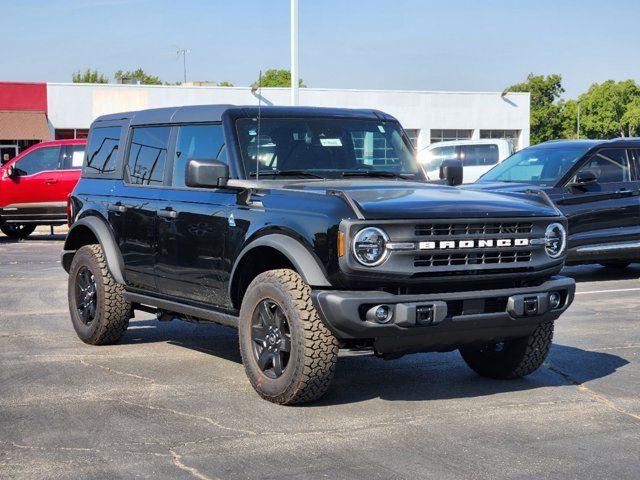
{"points": [[479, 155], [72, 157], [39, 160], [102, 151], [147, 155]]}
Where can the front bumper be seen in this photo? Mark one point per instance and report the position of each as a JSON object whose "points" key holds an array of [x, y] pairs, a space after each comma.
{"points": [[444, 321]]}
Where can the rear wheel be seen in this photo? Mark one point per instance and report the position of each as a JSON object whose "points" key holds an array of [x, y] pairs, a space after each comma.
{"points": [[17, 231], [288, 354], [511, 358], [619, 264], [99, 313]]}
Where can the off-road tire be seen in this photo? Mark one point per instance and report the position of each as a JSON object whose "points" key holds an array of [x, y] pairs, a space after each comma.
{"points": [[515, 359], [112, 311], [614, 264], [17, 231], [314, 349]]}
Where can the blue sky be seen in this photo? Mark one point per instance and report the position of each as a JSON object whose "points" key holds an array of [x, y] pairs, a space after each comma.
{"points": [[476, 45]]}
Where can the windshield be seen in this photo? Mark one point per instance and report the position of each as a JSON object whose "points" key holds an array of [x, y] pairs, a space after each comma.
{"points": [[538, 165], [325, 148]]}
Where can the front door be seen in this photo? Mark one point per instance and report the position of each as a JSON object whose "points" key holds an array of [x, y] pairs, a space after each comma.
{"points": [[33, 191], [607, 211], [192, 223]]}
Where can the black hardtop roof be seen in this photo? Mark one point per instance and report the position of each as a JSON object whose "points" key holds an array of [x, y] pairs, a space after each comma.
{"points": [[214, 113], [631, 142]]}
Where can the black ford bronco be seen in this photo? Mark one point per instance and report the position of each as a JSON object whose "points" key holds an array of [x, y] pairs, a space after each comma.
{"points": [[309, 230]]}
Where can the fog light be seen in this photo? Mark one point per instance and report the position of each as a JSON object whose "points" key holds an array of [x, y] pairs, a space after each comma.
{"points": [[554, 300], [383, 314]]}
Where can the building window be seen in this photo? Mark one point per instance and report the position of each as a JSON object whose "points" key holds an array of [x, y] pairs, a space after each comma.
{"points": [[71, 133], [513, 135], [447, 135], [413, 134]]}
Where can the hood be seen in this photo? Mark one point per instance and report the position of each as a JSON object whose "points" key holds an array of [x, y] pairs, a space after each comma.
{"points": [[501, 186], [382, 200]]}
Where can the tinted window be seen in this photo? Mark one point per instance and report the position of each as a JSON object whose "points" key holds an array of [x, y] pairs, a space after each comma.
{"points": [[39, 160], [72, 157], [433, 158], [147, 155], [609, 165], [102, 150], [538, 165], [478, 155], [196, 141]]}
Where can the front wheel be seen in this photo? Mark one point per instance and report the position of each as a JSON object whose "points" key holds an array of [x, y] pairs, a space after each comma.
{"points": [[288, 354], [17, 231], [511, 358]]}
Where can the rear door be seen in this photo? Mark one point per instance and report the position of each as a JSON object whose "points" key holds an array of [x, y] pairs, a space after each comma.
{"points": [[607, 211], [33, 193], [72, 158], [192, 222]]}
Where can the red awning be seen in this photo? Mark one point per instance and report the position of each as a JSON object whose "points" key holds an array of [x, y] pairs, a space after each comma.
{"points": [[24, 125]]}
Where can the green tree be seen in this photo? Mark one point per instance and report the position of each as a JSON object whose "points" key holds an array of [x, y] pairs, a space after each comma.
{"points": [[276, 78], [140, 75], [224, 84], [610, 109], [89, 76], [546, 117]]}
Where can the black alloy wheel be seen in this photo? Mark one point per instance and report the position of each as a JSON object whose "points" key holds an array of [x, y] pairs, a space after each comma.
{"points": [[271, 338], [86, 298], [17, 231]]}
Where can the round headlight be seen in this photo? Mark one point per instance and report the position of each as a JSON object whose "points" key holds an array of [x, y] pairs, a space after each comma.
{"points": [[555, 240], [370, 246]]}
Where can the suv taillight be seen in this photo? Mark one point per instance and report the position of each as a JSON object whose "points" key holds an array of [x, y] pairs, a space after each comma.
{"points": [[69, 211]]}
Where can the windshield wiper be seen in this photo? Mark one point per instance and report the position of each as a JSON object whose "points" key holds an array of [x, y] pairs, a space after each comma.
{"points": [[278, 173], [374, 173]]}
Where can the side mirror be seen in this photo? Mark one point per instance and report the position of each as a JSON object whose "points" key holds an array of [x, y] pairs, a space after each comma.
{"points": [[206, 172], [451, 172], [12, 172], [585, 177]]}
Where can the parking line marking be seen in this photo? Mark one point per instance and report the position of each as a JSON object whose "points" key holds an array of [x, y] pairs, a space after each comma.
{"points": [[610, 291]]}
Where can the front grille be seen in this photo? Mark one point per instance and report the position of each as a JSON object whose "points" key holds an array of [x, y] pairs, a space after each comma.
{"points": [[473, 258], [482, 228]]}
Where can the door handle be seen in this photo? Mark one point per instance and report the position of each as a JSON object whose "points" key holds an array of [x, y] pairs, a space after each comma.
{"points": [[117, 208], [167, 213], [623, 192], [50, 181]]}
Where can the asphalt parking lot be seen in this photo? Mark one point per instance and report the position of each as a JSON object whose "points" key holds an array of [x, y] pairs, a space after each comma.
{"points": [[172, 401]]}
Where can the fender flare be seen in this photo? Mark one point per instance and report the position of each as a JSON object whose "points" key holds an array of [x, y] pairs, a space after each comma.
{"points": [[105, 237], [299, 256]]}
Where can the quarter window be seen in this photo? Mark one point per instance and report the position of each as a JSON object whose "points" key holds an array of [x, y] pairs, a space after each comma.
{"points": [[102, 150], [40, 160], [147, 155], [196, 141], [609, 165]]}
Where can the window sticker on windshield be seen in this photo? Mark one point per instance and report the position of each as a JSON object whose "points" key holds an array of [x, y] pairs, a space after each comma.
{"points": [[381, 128], [331, 142], [77, 159]]}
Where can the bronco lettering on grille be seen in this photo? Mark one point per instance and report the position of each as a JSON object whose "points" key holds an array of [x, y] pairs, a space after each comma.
{"points": [[486, 243]]}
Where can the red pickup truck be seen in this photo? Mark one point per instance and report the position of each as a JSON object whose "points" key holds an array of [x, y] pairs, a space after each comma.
{"points": [[34, 186]]}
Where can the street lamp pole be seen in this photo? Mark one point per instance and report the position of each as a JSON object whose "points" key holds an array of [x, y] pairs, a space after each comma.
{"points": [[294, 53]]}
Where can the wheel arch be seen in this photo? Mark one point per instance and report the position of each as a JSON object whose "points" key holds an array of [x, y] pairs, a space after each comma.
{"points": [[271, 252], [89, 231]]}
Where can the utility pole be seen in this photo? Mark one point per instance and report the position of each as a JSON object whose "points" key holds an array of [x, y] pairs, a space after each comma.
{"points": [[294, 52], [184, 52]]}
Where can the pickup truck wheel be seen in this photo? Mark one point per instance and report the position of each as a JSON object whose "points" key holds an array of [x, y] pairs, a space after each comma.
{"points": [[17, 231], [621, 264], [288, 354], [99, 313], [512, 358]]}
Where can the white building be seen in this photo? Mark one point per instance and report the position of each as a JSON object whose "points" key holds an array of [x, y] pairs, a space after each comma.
{"points": [[427, 116]]}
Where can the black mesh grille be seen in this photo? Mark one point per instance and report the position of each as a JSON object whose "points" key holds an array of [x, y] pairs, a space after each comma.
{"points": [[473, 258], [482, 228]]}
